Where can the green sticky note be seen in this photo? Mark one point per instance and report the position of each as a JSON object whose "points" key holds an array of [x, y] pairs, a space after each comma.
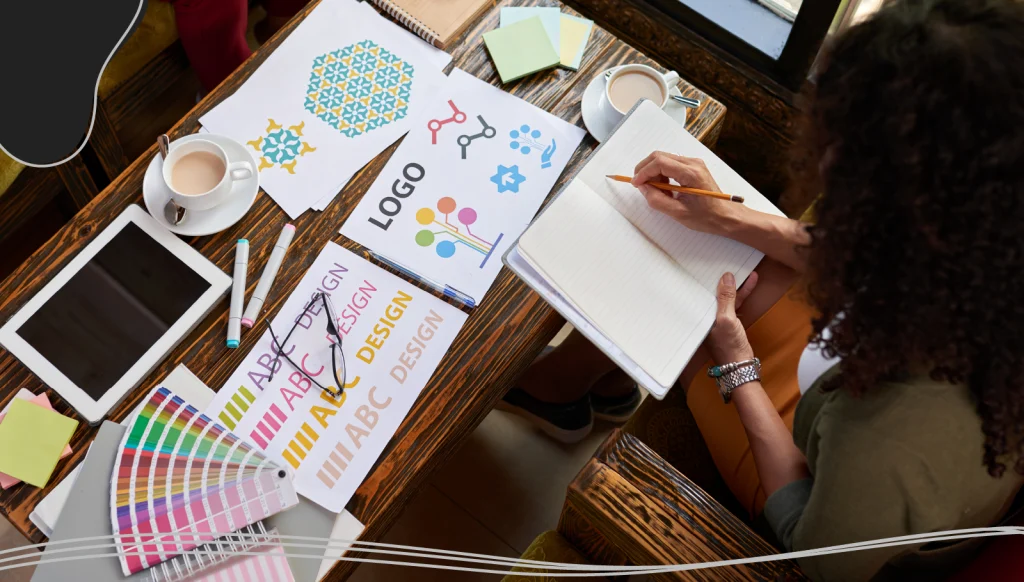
{"points": [[32, 439], [521, 49]]}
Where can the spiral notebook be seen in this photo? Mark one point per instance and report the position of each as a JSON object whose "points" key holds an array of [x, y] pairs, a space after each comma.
{"points": [[436, 21]]}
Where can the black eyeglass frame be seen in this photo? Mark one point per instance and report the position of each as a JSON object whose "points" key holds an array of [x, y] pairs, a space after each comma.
{"points": [[336, 351]]}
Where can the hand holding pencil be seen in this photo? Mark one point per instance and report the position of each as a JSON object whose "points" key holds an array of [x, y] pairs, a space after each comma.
{"points": [[697, 202]]}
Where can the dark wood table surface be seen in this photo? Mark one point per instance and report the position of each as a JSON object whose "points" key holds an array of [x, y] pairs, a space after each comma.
{"points": [[500, 338]]}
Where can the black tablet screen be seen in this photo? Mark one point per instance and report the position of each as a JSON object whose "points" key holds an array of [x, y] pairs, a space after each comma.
{"points": [[113, 310]]}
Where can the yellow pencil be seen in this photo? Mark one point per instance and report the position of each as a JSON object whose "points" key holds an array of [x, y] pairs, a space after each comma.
{"points": [[683, 189]]}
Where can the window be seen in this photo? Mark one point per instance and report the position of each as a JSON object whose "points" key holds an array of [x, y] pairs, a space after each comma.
{"points": [[777, 37]]}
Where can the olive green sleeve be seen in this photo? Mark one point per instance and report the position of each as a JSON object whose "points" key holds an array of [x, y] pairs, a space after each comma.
{"points": [[851, 500]]}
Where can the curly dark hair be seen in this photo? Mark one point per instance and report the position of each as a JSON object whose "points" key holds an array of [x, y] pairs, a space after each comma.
{"points": [[915, 136]]}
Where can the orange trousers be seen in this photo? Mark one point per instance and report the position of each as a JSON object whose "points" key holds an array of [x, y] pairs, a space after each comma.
{"points": [[778, 338]]}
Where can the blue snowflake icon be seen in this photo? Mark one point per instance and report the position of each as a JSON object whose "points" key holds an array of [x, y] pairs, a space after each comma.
{"points": [[508, 179]]}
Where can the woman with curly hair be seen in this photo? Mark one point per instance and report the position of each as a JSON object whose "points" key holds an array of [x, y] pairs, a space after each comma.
{"points": [[905, 414]]}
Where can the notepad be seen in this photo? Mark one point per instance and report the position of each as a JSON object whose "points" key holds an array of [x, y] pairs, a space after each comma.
{"points": [[521, 49], [32, 439], [574, 33], [568, 34], [7, 481], [638, 284], [438, 22], [550, 17]]}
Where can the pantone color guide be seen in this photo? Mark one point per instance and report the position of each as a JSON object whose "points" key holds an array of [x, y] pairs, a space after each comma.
{"points": [[182, 480]]}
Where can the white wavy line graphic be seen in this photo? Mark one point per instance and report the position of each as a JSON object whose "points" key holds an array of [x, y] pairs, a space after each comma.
{"points": [[563, 570], [95, 99]]}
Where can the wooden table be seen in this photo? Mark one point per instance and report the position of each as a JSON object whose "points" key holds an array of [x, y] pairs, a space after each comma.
{"points": [[500, 338]]}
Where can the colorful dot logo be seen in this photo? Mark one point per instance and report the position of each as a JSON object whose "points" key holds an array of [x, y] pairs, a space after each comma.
{"points": [[447, 239]]}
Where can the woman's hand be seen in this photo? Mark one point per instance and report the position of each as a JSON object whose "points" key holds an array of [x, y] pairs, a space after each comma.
{"points": [[728, 341], [701, 213]]}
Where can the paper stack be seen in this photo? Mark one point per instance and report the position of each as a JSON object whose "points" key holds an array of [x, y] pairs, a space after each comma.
{"points": [[533, 39]]}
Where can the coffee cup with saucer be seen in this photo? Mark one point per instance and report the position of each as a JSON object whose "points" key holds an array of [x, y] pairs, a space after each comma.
{"points": [[600, 116], [232, 190]]}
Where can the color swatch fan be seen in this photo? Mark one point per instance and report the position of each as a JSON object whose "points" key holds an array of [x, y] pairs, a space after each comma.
{"points": [[182, 480]]}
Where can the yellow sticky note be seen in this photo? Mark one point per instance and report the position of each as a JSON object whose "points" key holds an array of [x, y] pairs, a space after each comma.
{"points": [[32, 439], [574, 33]]}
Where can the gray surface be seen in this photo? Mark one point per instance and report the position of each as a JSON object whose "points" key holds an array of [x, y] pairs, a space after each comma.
{"points": [[305, 519], [86, 514], [758, 26]]}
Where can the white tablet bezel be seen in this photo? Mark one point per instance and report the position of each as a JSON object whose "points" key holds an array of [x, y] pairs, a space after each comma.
{"points": [[95, 410]]}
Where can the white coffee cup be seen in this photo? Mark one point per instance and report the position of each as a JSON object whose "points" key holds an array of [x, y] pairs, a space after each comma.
{"points": [[664, 81], [218, 193]]}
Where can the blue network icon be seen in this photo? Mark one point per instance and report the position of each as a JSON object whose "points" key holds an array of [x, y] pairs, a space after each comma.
{"points": [[526, 140]]}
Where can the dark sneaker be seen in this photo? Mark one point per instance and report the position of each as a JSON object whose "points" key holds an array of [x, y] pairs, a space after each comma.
{"points": [[616, 409], [567, 423]]}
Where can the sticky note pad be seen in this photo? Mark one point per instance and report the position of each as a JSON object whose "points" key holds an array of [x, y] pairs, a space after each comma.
{"points": [[550, 17], [32, 439], [7, 481], [520, 49], [574, 34]]}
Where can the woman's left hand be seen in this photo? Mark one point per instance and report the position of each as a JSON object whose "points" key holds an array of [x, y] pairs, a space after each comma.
{"points": [[728, 341]]}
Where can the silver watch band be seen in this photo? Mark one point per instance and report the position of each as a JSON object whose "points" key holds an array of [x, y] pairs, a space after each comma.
{"points": [[735, 375]]}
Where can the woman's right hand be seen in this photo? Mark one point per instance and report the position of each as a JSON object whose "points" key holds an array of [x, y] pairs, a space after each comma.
{"points": [[702, 213]]}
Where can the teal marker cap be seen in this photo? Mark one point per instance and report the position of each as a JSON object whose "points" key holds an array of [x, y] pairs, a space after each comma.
{"points": [[232, 344]]}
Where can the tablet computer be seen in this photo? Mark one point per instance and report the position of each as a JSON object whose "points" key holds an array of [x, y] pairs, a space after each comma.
{"points": [[103, 322]]}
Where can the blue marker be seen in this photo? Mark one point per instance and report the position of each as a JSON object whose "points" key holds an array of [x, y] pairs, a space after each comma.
{"points": [[238, 293]]}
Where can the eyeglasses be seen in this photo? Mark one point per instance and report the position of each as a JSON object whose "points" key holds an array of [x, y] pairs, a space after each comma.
{"points": [[337, 356]]}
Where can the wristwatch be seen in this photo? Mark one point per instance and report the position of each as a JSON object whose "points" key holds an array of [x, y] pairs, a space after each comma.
{"points": [[730, 376]]}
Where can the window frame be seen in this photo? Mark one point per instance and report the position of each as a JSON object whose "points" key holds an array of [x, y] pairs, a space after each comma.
{"points": [[809, 29]]}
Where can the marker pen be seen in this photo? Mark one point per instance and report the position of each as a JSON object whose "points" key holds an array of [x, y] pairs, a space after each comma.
{"points": [[238, 293], [252, 310]]}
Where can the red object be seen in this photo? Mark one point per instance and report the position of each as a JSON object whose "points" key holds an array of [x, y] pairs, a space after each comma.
{"points": [[1001, 559], [213, 35], [284, 8]]}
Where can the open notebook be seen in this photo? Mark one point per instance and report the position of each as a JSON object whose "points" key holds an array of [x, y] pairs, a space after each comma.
{"points": [[636, 283]]}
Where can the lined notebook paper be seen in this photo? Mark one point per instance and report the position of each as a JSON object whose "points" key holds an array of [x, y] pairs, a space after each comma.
{"points": [[645, 282]]}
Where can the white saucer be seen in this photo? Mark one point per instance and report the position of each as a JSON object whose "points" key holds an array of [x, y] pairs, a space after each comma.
{"points": [[202, 222], [599, 117]]}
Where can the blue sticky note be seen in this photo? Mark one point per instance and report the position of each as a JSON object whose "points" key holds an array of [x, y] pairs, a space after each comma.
{"points": [[549, 17]]}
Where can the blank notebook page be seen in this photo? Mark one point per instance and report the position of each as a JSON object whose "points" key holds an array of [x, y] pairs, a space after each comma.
{"points": [[704, 256], [633, 292]]}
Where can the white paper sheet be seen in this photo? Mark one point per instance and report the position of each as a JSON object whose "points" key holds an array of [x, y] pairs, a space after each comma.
{"points": [[346, 527], [341, 88], [449, 212], [394, 336]]}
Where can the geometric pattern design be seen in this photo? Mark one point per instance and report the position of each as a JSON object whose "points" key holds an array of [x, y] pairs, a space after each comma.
{"points": [[281, 146], [359, 88]]}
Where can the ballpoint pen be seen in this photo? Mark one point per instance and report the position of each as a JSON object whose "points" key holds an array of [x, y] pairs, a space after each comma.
{"points": [[446, 290]]}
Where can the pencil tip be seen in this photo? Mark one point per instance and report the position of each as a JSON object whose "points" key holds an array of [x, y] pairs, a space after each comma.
{"points": [[737, 199]]}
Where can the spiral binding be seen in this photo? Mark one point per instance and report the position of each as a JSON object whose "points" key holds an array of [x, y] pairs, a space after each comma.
{"points": [[211, 554], [409, 21]]}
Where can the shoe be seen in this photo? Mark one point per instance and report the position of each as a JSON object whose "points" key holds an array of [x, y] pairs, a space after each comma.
{"points": [[567, 423], [616, 409]]}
